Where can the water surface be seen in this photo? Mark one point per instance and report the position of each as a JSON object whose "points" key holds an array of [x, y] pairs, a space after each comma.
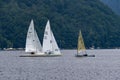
{"points": [[105, 66]]}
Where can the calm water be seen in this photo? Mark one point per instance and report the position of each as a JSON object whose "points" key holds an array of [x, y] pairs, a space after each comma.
{"points": [[105, 66]]}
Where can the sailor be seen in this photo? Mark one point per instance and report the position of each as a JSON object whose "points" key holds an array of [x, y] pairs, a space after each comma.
{"points": [[85, 55], [32, 52]]}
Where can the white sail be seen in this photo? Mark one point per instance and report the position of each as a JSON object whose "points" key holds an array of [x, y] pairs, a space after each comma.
{"points": [[32, 42], [30, 46], [55, 48], [49, 42], [37, 43]]}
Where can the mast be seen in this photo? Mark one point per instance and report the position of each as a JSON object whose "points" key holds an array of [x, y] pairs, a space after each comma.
{"points": [[78, 43]]}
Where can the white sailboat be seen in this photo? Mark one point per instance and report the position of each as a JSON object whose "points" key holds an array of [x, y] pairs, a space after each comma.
{"points": [[81, 50], [50, 46], [33, 44]]}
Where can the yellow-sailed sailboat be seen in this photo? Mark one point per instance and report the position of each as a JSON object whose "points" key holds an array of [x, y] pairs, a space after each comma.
{"points": [[81, 50]]}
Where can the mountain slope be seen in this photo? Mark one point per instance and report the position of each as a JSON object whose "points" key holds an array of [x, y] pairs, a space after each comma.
{"points": [[99, 25], [113, 4]]}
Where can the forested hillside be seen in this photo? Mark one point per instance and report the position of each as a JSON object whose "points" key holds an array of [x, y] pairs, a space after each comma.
{"points": [[100, 26]]}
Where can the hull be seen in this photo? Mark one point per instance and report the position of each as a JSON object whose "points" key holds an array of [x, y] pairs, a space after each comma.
{"points": [[84, 55], [40, 55]]}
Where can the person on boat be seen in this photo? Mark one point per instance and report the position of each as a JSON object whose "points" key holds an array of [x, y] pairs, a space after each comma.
{"points": [[32, 52], [48, 52], [85, 55]]}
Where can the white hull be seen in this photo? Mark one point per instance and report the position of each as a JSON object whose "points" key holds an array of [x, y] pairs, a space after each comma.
{"points": [[40, 55]]}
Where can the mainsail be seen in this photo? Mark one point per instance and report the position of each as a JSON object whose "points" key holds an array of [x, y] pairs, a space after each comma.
{"points": [[49, 42], [32, 41], [81, 47]]}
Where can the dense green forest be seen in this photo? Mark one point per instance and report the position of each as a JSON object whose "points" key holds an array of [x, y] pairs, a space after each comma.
{"points": [[99, 25]]}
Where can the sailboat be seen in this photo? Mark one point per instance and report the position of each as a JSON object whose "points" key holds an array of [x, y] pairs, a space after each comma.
{"points": [[50, 47], [33, 45], [81, 50]]}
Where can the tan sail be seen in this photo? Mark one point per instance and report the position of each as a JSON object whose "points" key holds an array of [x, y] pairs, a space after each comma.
{"points": [[81, 46]]}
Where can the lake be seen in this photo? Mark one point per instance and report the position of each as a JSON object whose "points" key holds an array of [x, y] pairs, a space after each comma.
{"points": [[105, 66]]}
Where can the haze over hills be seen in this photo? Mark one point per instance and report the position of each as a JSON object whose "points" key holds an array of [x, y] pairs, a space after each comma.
{"points": [[100, 26], [113, 4]]}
